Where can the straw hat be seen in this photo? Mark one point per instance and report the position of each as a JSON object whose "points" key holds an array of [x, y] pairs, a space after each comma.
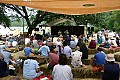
{"points": [[93, 39], [44, 42], [31, 55], [110, 57], [56, 49], [49, 39]]}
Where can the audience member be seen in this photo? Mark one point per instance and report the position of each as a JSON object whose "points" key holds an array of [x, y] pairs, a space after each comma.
{"points": [[31, 68], [72, 43], [84, 51], [111, 69], [28, 50], [27, 41], [6, 55], [76, 58], [35, 43], [3, 67], [15, 44], [44, 50], [60, 48], [62, 71], [50, 44], [99, 58], [107, 43], [118, 41], [67, 50], [113, 43], [54, 58], [92, 44]]}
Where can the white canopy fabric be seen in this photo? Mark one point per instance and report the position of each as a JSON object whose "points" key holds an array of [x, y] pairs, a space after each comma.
{"points": [[71, 7]]}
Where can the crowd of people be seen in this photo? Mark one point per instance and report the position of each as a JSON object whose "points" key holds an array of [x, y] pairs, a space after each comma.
{"points": [[67, 46]]}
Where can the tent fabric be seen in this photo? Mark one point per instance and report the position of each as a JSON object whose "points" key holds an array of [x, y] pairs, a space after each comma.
{"points": [[71, 7]]}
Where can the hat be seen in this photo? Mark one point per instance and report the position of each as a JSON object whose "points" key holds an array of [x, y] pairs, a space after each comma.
{"points": [[93, 39], [56, 49], [49, 39], [44, 42], [110, 57], [59, 43], [31, 55]]}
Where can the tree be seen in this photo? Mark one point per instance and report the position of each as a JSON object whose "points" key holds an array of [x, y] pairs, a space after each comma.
{"points": [[33, 17], [4, 20]]}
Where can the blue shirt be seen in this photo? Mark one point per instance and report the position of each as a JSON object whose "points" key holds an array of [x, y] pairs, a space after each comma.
{"points": [[6, 56], [100, 40], [107, 45], [27, 51], [111, 71], [44, 50], [29, 68], [100, 58]]}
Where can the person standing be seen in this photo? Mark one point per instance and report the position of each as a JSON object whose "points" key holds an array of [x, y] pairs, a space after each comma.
{"points": [[62, 71], [110, 69]]}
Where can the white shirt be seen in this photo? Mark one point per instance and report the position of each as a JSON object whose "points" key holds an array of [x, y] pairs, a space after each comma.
{"points": [[35, 43], [76, 58], [113, 42], [76, 40], [58, 43], [14, 43], [62, 72], [27, 41], [67, 50]]}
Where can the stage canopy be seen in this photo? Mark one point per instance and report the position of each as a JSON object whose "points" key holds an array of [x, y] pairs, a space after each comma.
{"points": [[72, 7]]}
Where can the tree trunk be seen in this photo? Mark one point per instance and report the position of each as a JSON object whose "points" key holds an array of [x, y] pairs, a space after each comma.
{"points": [[30, 30]]}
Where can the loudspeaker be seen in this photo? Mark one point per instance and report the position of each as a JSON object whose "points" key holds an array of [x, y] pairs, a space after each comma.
{"points": [[89, 29], [36, 29], [92, 29]]}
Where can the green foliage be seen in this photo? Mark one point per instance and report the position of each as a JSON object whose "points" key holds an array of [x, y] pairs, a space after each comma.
{"points": [[4, 20], [32, 17]]}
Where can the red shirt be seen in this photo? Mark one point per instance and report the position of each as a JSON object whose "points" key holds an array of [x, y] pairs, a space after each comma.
{"points": [[54, 58], [92, 44]]}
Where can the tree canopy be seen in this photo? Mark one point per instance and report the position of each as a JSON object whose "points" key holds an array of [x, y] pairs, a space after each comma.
{"points": [[32, 17]]}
